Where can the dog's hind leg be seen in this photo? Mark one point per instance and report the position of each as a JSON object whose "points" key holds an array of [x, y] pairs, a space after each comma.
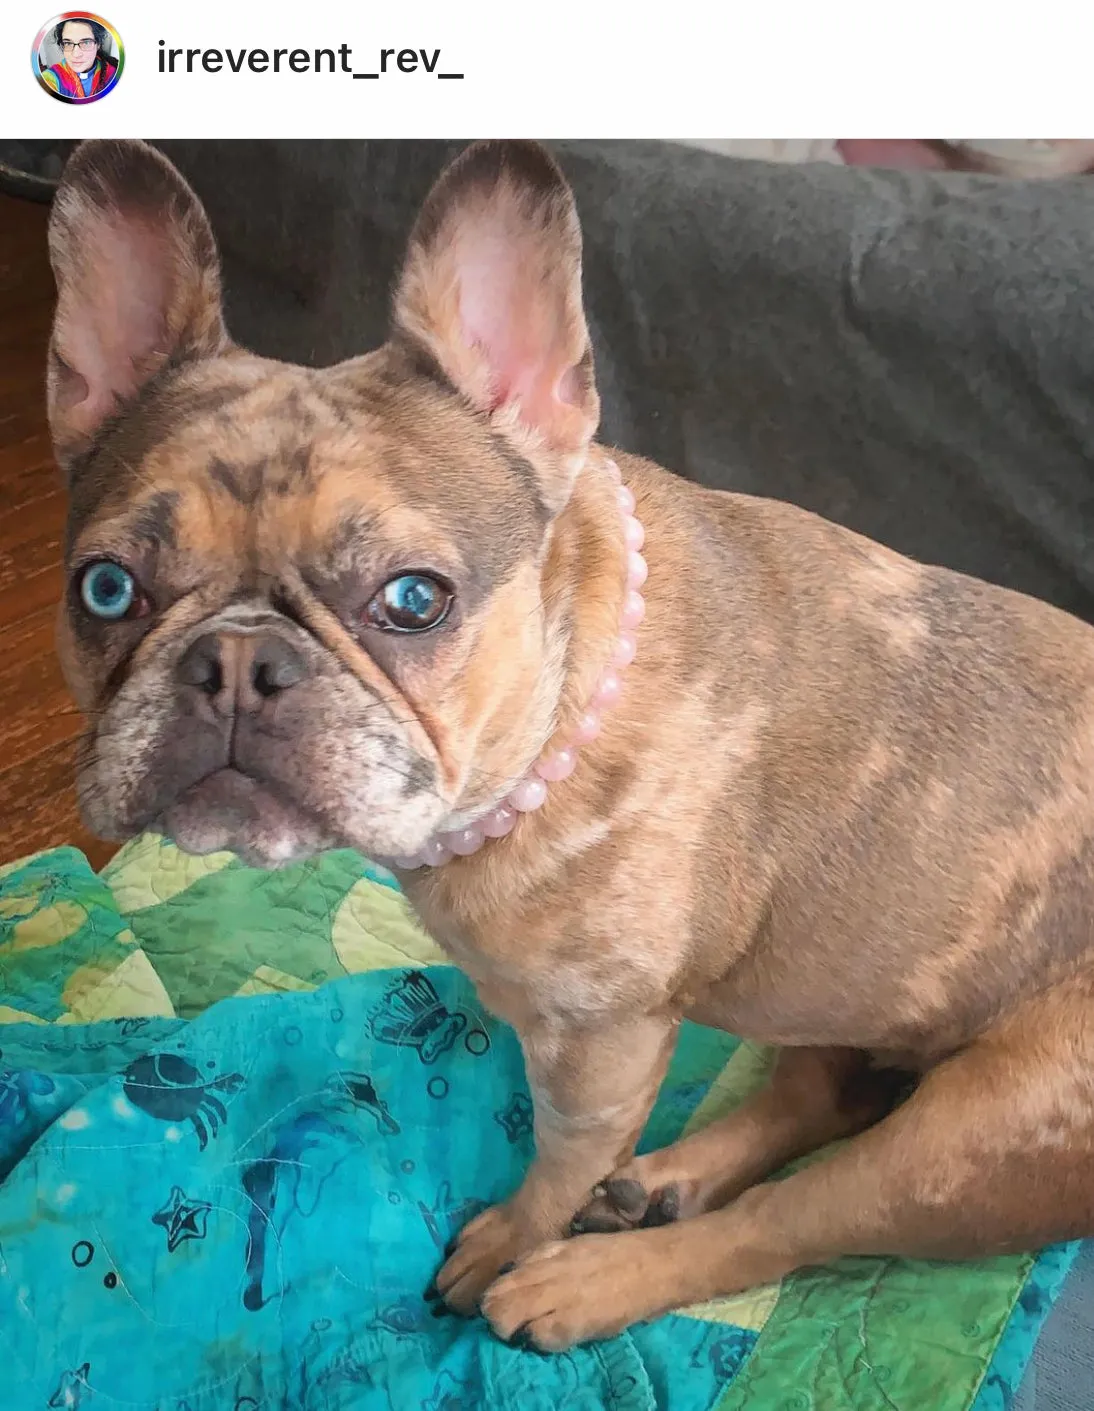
{"points": [[814, 1096], [992, 1154]]}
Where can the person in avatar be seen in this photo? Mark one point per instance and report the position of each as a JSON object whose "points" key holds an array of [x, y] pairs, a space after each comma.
{"points": [[87, 68]]}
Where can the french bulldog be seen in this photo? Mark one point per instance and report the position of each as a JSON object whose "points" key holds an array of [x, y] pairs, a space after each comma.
{"points": [[639, 751]]}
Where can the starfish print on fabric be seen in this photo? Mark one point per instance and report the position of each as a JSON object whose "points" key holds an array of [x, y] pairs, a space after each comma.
{"points": [[182, 1218], [517, 1118]]}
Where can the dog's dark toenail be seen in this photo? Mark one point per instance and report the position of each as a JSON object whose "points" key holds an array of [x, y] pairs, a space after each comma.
{"points": [[521, 1339], [597, 1225], [451, 1247], [507, 1268], [442, 1310], [432, 1292], [628, 1197]]}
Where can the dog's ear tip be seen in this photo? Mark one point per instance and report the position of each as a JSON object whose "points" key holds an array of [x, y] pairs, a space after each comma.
{"points": [[530, 162], [118, 171], [515, 152], [94, 154], [519, 163]]}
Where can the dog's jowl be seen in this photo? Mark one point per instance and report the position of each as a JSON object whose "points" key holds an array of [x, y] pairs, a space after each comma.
{"points": [[793, 785]]}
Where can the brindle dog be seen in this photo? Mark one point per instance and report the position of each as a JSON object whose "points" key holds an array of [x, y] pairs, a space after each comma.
{"points": [[844, 805]]}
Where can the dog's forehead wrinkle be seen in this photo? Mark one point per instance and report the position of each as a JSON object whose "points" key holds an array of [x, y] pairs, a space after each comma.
{"points": [[362, 536], [246, 615]]}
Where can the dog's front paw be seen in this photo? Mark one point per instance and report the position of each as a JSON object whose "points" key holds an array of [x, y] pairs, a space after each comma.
{"points": [[574, 1291], [493, 1240]]}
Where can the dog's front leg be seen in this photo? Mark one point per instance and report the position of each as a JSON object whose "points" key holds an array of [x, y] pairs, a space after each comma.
{"points": [[593, 1085]]}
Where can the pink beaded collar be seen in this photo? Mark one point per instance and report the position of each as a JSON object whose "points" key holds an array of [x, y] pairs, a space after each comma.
{"points": [[555, 765]]}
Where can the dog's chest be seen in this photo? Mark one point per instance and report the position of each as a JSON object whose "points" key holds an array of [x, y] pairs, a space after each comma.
{"points": [[519, 974]]}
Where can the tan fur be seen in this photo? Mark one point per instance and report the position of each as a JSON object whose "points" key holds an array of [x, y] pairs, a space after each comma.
{"points": [[845, 805]]}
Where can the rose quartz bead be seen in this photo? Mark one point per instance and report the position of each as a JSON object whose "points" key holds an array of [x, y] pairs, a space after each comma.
{"points": [[557, 765], [435, 853], [625, 650], [410, 863], [634, 533], [626, 500], [634, 610], [609, 690], [588, 728], [637, 570], [499, 822], [530, 794], [464, 841]]}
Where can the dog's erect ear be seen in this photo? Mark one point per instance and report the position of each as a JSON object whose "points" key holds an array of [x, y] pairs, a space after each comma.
{"points": [[138, 284], [491, 292]]}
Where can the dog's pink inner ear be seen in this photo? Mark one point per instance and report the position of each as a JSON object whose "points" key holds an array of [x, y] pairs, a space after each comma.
{"points": [[137, 284], [111, 322], [492, 290], [513, 323]]}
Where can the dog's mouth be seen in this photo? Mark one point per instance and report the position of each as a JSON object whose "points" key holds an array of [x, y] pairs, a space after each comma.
{"points": [[229, 811], [271, 792]]}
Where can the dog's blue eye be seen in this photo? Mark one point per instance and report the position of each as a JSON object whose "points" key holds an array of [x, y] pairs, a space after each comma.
{"points": [[412, 602], [107, 590]]}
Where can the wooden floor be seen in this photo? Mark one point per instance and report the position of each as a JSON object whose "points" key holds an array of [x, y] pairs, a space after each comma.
{"points": [[38, 722]]}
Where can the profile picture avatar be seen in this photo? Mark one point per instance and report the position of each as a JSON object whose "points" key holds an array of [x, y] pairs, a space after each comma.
{"points": [[78, 57]]}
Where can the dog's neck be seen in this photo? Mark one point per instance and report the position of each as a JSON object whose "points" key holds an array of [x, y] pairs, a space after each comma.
{"points": [[557, 762]]}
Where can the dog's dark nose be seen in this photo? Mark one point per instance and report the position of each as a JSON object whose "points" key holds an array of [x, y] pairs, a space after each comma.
{"points": [[240, 672]]}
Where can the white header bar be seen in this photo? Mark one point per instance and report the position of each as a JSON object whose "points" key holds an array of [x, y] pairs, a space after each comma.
{"points": [[423, 68]]}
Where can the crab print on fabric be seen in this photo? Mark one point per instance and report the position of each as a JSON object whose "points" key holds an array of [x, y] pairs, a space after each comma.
{"points": [[171, 1089]]}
